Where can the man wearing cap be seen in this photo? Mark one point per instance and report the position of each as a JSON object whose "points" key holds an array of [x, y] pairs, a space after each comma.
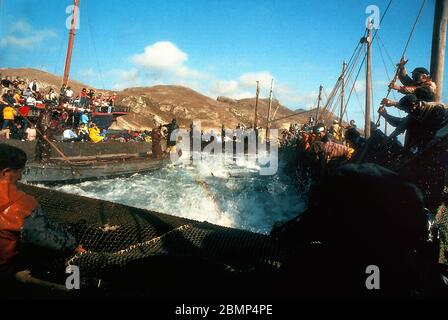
{"points": [[22, 220], [420, 78], [424, 119]]}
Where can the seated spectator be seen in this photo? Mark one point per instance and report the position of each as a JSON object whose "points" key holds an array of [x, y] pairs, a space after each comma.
{"points": [[27, 93], [69, 93], [8, 97], [51, 96], [16, 82], [6, 85], [94, 133], [84, 118], [31, 133], [34, 86], [69, 136], [17, 97], [83, 132], [31, 100]]}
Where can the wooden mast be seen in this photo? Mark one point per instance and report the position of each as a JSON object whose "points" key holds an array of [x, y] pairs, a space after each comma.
{"points": [[319, 98], [438, 45], [341, 113], [71, 40], [256, 105], [368, 82], [269, 110]]}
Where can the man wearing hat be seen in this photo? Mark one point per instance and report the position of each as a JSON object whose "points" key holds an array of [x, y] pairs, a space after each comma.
{"points": [[420, 78], [423, 121], [23, 223]]}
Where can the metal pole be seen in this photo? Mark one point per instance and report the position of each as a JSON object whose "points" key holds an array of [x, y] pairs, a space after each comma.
{"points": [[256, 105], [438, 45], [269, 110], [71, 40], [368, 82], [319, 98], [341, 114]]}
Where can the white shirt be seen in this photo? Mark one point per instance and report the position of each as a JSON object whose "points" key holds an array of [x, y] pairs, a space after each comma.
{"points": [[69, 134], [31, 100], [69, 93]]}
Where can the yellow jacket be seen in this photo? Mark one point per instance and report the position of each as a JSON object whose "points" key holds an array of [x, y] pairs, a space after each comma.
{"points": [[9, 113], [17, 97], [94, 134]]}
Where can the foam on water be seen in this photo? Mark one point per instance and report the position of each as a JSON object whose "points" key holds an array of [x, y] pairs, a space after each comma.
{"points": [[223, 193]]}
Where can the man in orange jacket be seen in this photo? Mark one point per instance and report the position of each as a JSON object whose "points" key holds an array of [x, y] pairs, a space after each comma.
{"points": [[22, 220]]}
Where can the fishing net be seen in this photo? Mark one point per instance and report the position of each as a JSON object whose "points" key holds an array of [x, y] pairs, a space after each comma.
{"points": [[442, 225], [116, 236]]}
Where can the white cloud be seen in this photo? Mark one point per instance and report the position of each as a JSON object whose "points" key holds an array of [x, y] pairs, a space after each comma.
{"points": [[22, 35], [245, 86], [165, 59], [162, 56], [249, 80], [164, 63]]}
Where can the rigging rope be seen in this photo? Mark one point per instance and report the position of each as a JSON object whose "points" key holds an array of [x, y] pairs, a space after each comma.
{"points": [[92, 41], [405, 49]]}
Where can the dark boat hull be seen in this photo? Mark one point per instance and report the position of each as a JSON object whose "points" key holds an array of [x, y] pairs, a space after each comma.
{"points": [[84, 149], [62, 172]]}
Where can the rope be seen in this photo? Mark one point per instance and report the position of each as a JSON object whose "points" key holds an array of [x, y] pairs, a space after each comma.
{"points": [[381, 44], [92, 41], [397, 71]]}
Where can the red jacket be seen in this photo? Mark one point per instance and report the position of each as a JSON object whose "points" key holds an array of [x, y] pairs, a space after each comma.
{"points": [[15, 207]]}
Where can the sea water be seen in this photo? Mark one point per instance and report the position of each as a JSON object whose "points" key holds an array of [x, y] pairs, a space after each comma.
{"points": [[216, 190]]}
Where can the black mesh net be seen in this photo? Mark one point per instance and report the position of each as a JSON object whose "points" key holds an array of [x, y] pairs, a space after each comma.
{"points": [[116, 236]]}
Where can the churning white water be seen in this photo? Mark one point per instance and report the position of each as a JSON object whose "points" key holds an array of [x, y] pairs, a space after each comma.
{"points": [[224, 193]]}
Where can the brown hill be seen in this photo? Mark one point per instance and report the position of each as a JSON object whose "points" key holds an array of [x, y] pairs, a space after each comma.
{"points": [[159, 104]]}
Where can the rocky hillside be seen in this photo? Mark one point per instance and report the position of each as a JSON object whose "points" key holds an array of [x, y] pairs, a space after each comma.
{"points": [[159, 104]]}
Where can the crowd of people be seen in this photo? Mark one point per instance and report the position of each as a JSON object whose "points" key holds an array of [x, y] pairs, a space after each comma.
{"points": [[323, 148], [70, 114]]}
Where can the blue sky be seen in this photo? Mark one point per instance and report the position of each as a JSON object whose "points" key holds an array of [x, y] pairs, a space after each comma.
{"points": [[217, 47]]}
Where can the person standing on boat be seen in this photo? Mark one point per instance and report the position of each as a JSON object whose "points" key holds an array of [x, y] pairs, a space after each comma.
{"points": [[170, 129], [43, 148], [420, 78], [34, 86], [23, 223], [415, 128], [156, 136]]}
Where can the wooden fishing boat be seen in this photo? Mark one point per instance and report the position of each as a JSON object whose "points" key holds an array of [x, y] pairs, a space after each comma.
{"points": [[77, 169]]}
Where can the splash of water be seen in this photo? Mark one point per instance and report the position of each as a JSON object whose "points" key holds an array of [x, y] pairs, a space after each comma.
{"points": [[227, 194]]}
